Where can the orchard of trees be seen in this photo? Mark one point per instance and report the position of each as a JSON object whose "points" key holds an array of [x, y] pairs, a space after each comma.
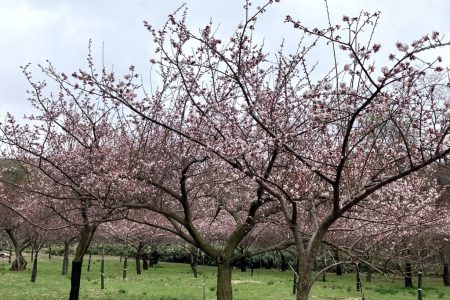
{"points": [[238, 152]]}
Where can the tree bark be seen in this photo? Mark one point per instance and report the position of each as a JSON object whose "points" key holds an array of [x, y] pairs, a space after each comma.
{"points": [[145, 261], [194, 263], [65, 265], [34, 271], [445, 275], [369, 274], [304, 281], [138, 264], [85, 239], [358, 278], [75, 280], [50, 251], [408, 275], [243, 264], [338, 267], [224, 288], [284, 265], [19, 263]]}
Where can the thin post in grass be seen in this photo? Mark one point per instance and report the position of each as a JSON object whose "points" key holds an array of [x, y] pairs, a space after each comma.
{"points": [[102, 271], [204, 276], [295, 271], [358, 278], [419, 286], [125, 263], [89, 262], [125, 266]]}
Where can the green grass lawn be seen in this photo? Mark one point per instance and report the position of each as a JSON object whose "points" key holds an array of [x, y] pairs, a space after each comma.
{"points": [[175, 282]]}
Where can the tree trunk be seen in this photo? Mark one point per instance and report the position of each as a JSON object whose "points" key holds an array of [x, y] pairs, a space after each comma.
{"points": [[338, 267], [284, 266], [304, 282], [154, 256], [50, 252], [358, 278], [75, 280], [369, 274], [65, 265], [10, 255], [224, 289], [338, 270], [86, 235], [243, 264], [32, 254], [102, 273], [34, 271], [194, 263], [408, 275], [145, 261], [19, 264], [445, 276], [138, 263]]}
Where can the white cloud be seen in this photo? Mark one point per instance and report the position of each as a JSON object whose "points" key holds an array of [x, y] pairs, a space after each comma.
{"points": [[34, 30]]}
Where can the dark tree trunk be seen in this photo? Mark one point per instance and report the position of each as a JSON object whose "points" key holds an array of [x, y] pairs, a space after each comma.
{"points": [[50, 252], [65, 265], [120, 258], [369, 274], [338, 270], [10, 254], [75, 280], [32, 254], [138, 263], [19, 264], [154, 256], [224, 288], [194, 263], [34, 271], [284, 266], [408, 275], [338, 267], [304, 280], [145, 261], [358, 279], [445, 275], [85, 239], [102, 273], [243, 264]]}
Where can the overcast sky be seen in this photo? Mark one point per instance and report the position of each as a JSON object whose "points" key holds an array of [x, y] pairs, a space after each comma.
{"points": [[32, 31]]}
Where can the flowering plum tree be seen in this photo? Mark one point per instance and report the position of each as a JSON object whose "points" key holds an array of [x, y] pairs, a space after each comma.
{"points": [[334, 143], [235, 138], [74, 148]]}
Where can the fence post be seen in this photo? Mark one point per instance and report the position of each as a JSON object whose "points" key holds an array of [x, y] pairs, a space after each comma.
{"points": [[419, 286]]}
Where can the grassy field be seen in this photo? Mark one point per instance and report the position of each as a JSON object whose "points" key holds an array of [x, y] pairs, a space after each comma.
{"points": [[175, 282]]}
